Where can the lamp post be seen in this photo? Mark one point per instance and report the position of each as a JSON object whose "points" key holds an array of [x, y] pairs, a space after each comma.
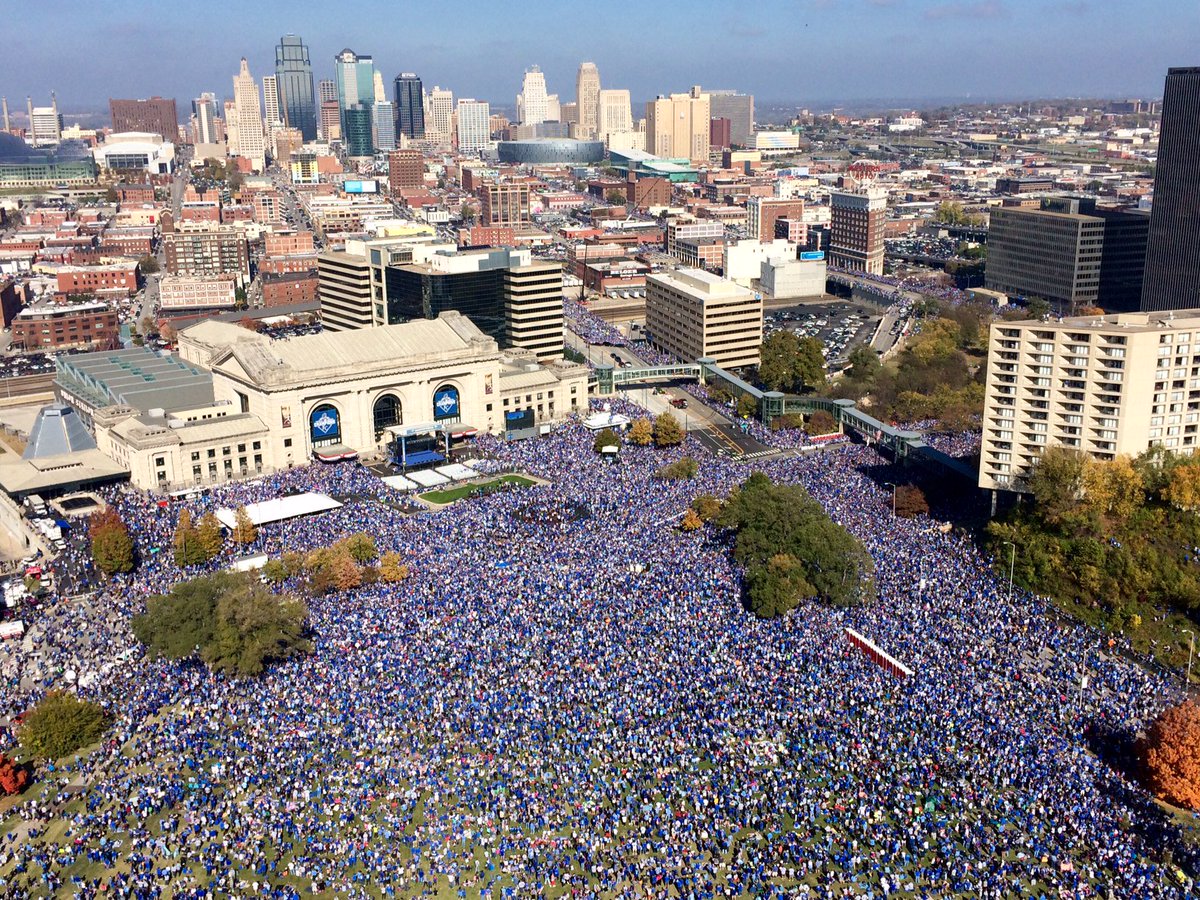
{"points": [[893, 487], [1012, 562], [1191, 648]]}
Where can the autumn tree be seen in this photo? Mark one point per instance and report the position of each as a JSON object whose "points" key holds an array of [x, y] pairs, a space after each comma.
{"points": [[911, 502], [344, 570], [112, 547], [691, 521], [13, 777], [1113, 487], [821, 422], [391, 568], [210, 536], [747, 406], [1056, 482], [706, 506], [360, 546], [1183, 487], [606, 438], [1171, 754], [185, 542], [667, 431], [244, 530], [641, 432]]}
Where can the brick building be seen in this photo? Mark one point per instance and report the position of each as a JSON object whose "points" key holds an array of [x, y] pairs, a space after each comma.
{"points": [[135, 193], [212, 252], [288, 288], [116, 279], [505, 203], [406, 169], [59, 327], [156, 116], [763, 212], [643, 193]]}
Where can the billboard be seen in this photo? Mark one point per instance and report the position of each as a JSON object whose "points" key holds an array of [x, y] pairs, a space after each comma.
{"points": [[445, 403], [812, 254], [324, 424], [517, 419], [360, 187]]}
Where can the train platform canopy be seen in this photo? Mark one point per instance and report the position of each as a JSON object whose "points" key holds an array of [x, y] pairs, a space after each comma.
{"points": [[280, 508]]}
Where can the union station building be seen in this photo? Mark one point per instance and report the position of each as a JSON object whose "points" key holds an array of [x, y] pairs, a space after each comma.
{"points": [[278, 403]]}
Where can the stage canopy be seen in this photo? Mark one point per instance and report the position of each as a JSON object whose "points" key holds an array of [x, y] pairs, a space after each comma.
{"points": [[279, 509]]}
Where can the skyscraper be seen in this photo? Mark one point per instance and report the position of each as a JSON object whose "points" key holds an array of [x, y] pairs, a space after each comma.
{"points": [[293, 72], [614, 113], [383, 124], [156, 116], [587, 98], [531, 102], [45, 122], [271, 113], [1172, 279], [248, 116], [677, 126], [474, 125], [437, 116], [410, 105], [327, 91], [355, 79], [204, 111], [738, 109]]}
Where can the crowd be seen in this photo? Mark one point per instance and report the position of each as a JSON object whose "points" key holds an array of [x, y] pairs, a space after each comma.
{"points": [[566, 698], [589, 326]]}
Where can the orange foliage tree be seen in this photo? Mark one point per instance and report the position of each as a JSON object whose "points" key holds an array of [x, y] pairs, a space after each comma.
{"points": [[13, 778], [1172, 755]]}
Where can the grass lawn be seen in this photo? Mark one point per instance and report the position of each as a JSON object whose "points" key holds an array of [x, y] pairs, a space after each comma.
{"points": [[449, 495]]}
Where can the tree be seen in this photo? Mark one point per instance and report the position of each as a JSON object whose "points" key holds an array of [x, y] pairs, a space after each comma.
{"points": [[344, 570], [1182, 489], [210, 536], [810, 363], [13, 777], [691, 521], [148, 327], [167, 332], [360, 546], [911, 502], [1171, 755], [606, 438], [615, 197], [1113, 487], [188, 551], [250, 323], [681, 469], [641, 432], [391, 569], [864, 365], [244, 530], [1056, 482], [148, 264], [821, 422], [61, 724], [274, 571], [777, 360], [254, 627], [747, 406], [667, 431], [707, 507], [112, 547]]}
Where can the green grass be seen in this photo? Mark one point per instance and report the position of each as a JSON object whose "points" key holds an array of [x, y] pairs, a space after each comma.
{"points": [[442, 497]]}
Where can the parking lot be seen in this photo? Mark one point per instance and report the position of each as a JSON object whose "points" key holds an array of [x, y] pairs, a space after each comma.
{"points": [[840, 326]]}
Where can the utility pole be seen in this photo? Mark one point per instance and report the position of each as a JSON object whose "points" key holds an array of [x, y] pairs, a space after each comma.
{"points": [[1011, 565]]}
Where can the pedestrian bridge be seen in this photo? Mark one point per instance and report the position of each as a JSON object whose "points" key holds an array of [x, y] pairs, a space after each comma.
{"points": [[772, 404]]}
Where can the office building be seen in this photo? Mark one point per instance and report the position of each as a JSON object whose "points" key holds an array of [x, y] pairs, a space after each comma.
{"points": [[587, 101], [118, 280], [207, 250], [331, 121], [409, 98], [474, 125], [294, 78], [532, 101], [763, 212], [204, 115], [290, 288], [355, 79], [738, 109], [156, 116], [856, 229], [357, 134], [344, 290], [678, 126], [614, 115], [406, 170], [505, 203], [719, 133], [1172, 278], [251, 143], [1104, 385], [45, 122], [180, 292], [439, 109], [687, 228], [793, 279], [695, 315], [61, 327], [327, 91], [533, 309], [383, 124], [1058, 253], [272, 116]]}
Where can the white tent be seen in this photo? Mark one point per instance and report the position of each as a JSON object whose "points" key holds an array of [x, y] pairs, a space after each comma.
{"points": [[279, 509]]}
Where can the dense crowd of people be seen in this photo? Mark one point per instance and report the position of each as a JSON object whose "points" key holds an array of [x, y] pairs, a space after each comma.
{"points": [[567, 698]]}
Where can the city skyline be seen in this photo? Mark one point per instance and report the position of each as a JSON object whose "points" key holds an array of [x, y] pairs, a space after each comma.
{"points": [[803, 52]]}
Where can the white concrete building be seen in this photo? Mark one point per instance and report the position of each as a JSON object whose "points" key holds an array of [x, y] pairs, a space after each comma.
{"points": [[474, 125], [743, 260], [792, 279], [136, 150], [248, 120], [694, 314]]}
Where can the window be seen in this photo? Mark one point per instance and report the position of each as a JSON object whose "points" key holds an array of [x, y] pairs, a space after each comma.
{"points": [[212, 452], [287, 442], [195, 455]]}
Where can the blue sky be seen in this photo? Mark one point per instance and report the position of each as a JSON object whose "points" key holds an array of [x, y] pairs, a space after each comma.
{"points": [[812, 52]]}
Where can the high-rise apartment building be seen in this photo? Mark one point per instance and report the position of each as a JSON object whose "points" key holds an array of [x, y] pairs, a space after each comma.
{"points": [[326, 90], [533, 308], [856, 229], [739, 110], [505, 203], [1058, 253], [1103, 385], [272, 116], [1172, 279], [763, 212], [614, 115], [294, 76], [474, 125], [531, 102], [344, 289], [330, 126], [693, 314], [439, 109], [383, 124], [204, 114], [587, 100], [410, 105], [355, 79], [677, 126], [45, 122], [251, 144], [155, 116], [218, 250]]}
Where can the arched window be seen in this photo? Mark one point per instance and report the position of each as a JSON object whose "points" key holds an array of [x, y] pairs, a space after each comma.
{"points": [[445, 404], [387, 412], [325, 425]]}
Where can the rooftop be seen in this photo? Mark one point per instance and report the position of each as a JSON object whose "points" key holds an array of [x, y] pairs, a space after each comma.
{"points": [[137, 377]]}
